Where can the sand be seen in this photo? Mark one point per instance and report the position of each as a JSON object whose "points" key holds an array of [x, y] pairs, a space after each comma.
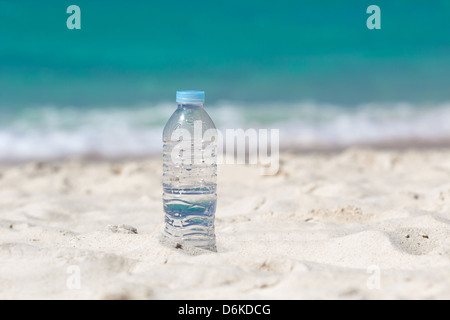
{"points": [[357, 224]]}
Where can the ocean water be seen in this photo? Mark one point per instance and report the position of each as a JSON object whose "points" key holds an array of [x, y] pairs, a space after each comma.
{"points": [[45, 133], [310, 68]]}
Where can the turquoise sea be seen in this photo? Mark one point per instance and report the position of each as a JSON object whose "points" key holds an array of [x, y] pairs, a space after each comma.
{"points": [[310, 68]]}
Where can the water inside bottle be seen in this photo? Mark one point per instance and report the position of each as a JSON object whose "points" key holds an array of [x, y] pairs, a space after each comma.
{"points": [[189, 199]]}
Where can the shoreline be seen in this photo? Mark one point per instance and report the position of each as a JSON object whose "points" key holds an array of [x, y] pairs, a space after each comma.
{"points": [[398, 145]]}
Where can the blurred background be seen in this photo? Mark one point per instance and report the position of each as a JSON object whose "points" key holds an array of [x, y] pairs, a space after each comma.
{"points": [[310, 68]]}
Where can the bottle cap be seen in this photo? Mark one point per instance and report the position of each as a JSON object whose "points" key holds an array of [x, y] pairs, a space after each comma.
{"points": [[190, 96]]}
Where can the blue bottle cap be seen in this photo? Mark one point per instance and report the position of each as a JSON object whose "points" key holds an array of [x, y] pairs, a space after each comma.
{"points": [[190, 96]]}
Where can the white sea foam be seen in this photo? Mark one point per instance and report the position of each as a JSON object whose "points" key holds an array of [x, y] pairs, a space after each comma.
{"points": [[49, 132]]}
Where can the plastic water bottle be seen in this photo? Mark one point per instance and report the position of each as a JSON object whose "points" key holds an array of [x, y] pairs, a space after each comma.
{"points": [[190, 174]]}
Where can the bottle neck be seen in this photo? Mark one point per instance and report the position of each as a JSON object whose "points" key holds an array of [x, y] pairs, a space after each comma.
{"points": [[197, 105]]}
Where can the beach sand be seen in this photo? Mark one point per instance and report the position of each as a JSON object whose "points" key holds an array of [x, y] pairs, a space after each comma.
{"points": [[356, 224]]}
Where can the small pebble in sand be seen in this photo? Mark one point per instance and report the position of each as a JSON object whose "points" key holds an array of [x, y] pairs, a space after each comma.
{"points": [[122, 229], [116, 170]]}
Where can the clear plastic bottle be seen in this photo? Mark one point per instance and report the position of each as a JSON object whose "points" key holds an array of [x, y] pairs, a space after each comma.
{"points": [[190, 174]]}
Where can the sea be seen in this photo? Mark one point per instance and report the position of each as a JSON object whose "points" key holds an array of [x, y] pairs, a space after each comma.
{"points": [[312, 69]]}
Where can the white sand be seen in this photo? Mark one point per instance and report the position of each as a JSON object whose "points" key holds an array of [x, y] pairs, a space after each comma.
{"points": [[359, 224]]}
